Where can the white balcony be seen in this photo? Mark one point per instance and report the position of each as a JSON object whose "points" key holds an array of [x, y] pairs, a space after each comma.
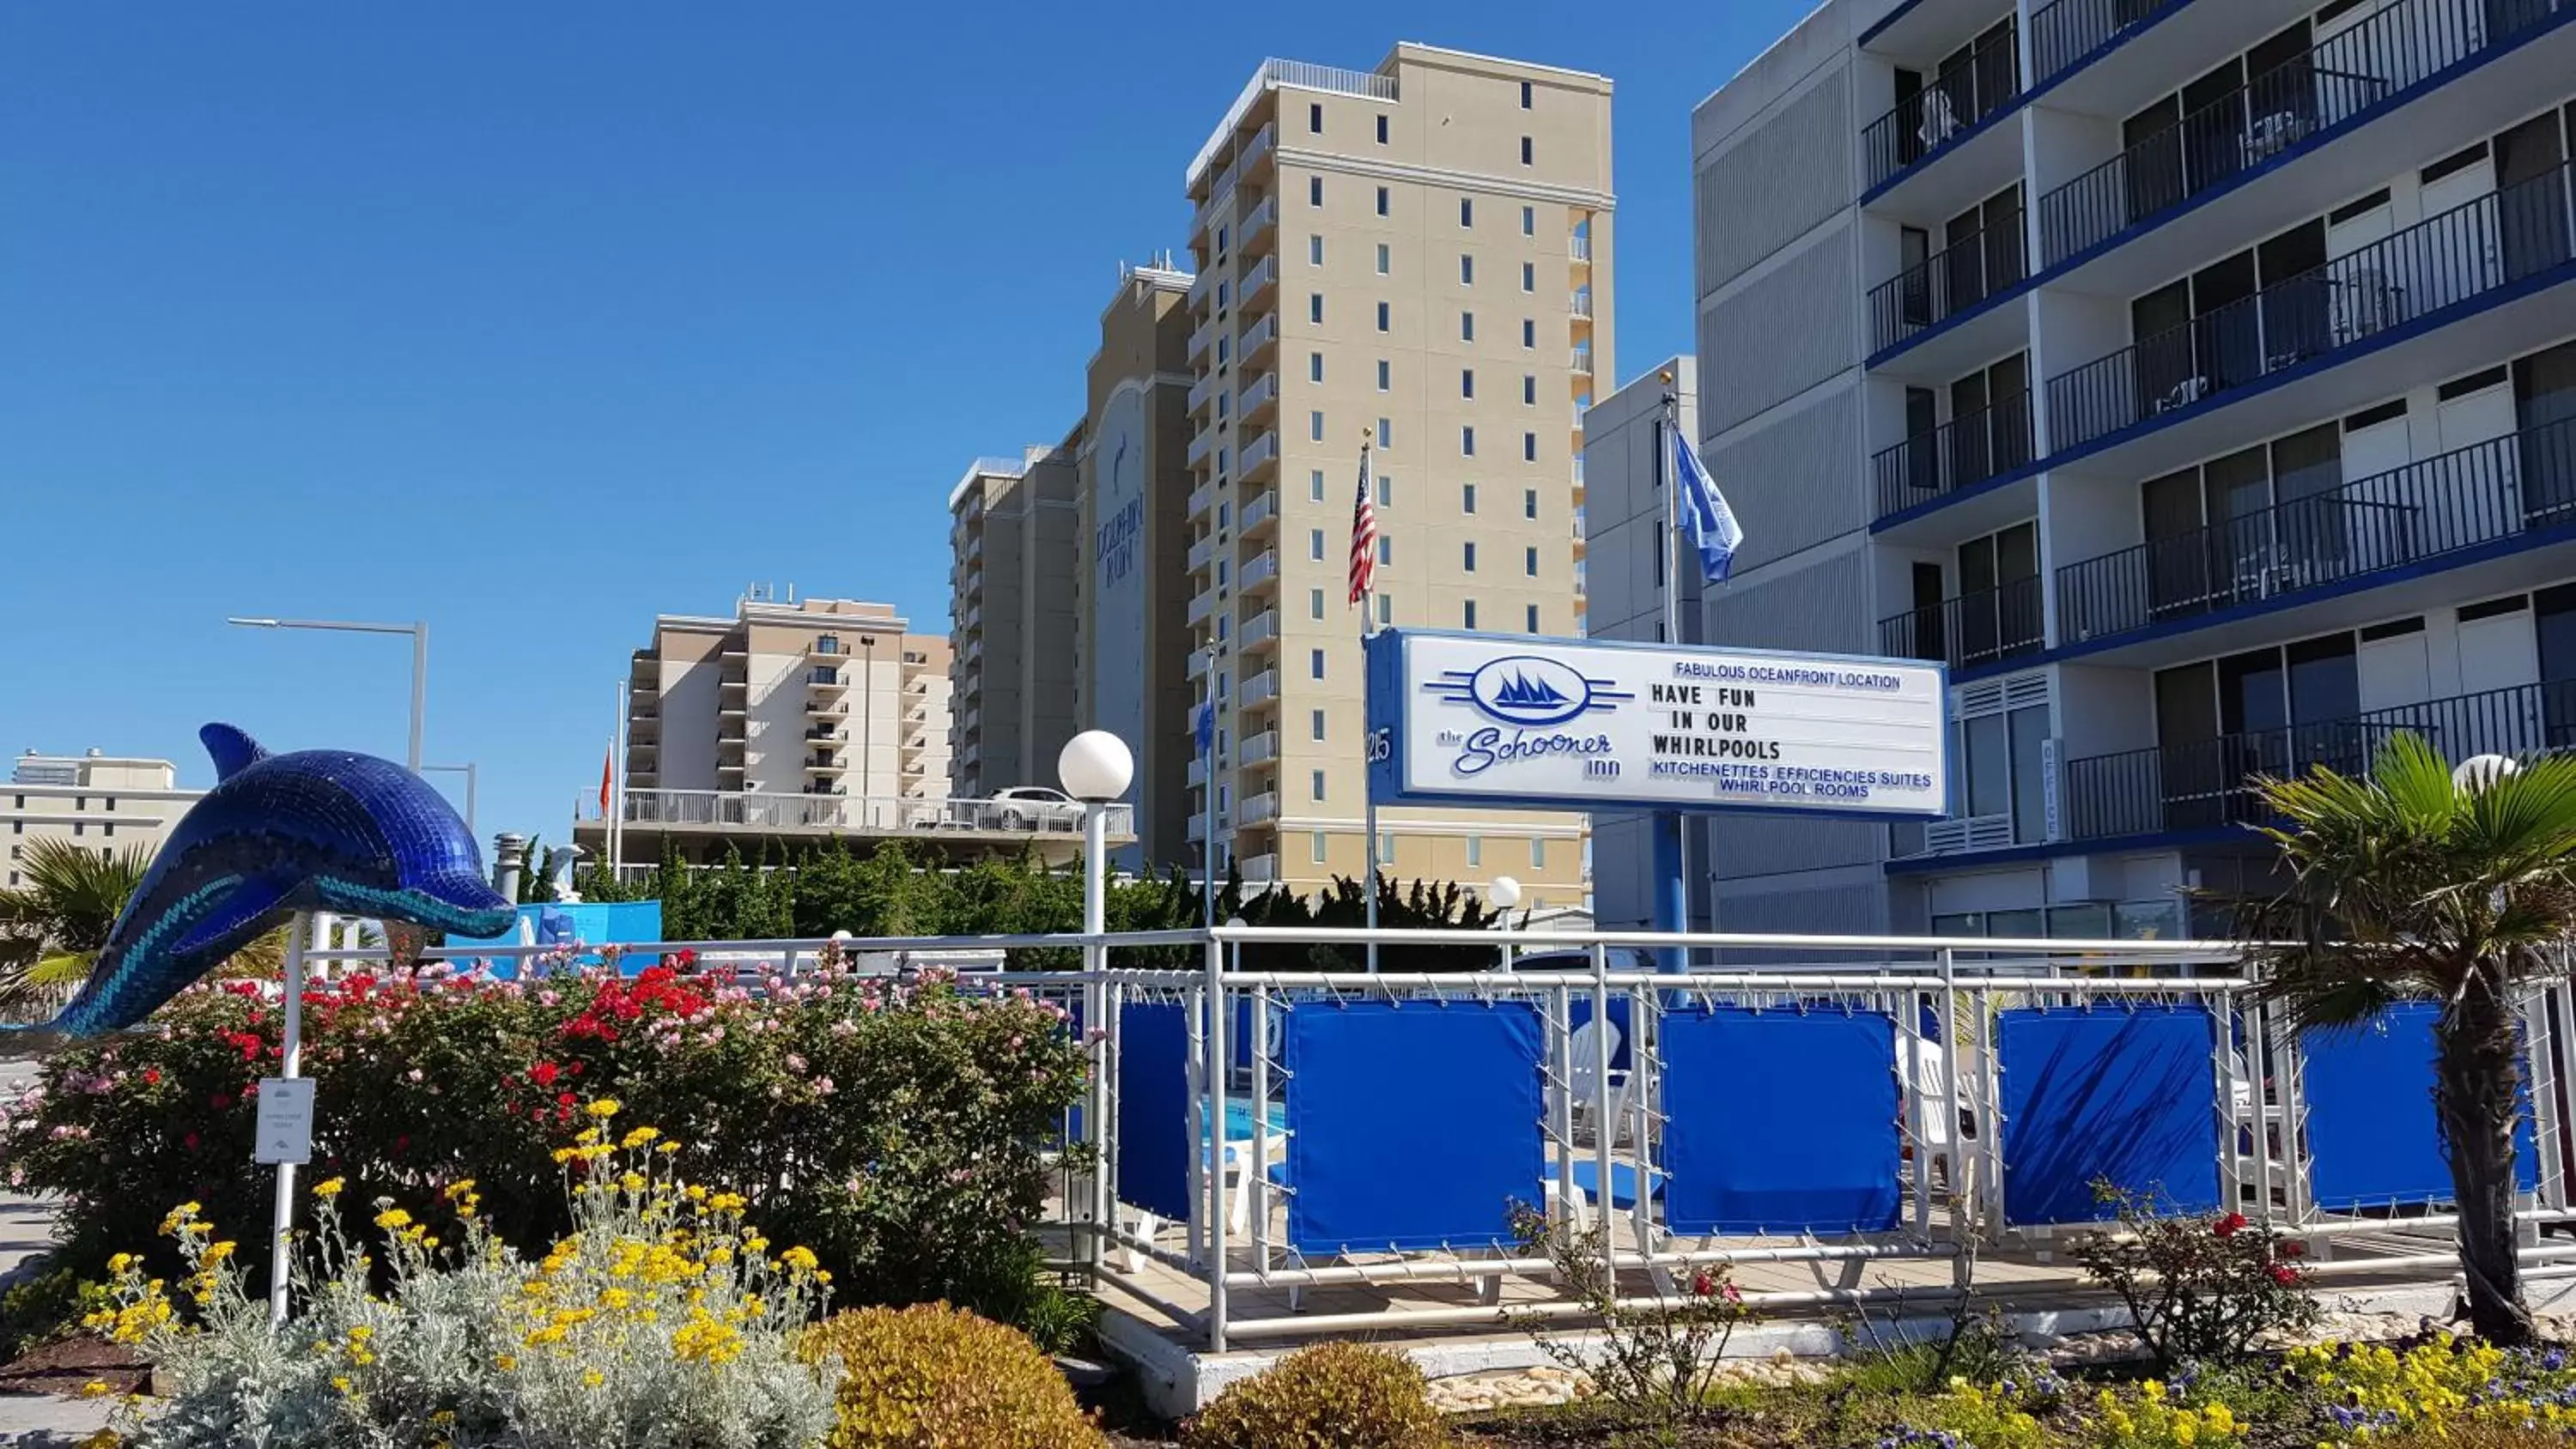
{"points": [[1580, 304], [1257, 225], [1579, 248], [1262, 570], [1197, 668], [827, 709], [1261, 456], [1258, 338], [831, 766], [1201, 391], [1261, 630], [972, 620], [826, 683], [1200, 446], [1200, 285], [1200, 338], [1260, 513], [1261, 689], [1201, 607], [1202, 498], [1259, 869], [1202, 553], [1261, 748], [1257, 808], [1197, 772], [1259, 281], [1582, 361], [1259, 398]]}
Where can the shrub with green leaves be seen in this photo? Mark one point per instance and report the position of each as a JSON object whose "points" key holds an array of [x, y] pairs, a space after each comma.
{"points": [[1327, 1396], [2199, 1287], [932, 1377]]}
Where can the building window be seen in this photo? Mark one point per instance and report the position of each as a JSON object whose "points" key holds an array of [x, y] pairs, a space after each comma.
{"points": [[1533, 619], [1385, 549], [1529, 562], [1315, 724], [1385, 433], [1525, 150], [1529, 221], [1315, 841], [1385, 490], [1315, 307], [1999, 756], [1314, 251], [1466, 270], [1315, 784], [1383, 259], [78, 827], [1220, 248], [1525, 95], [1529, 276], [1381, 130], [1467, 559], [1315, 485], [1475, 850], [1529, 503], [1315, 545], [1529, 390], [1223, 570], [1385, 318], [1381, 201], [1315, 664], [1467, 382], [108, 829], [1386, 847], [1466, 211], [1223, 512], [1385, 609], [1385, 375], [1467, 440], [1315, 428], [1314, 368], [1529, 447], [1466, 326], [1467, 498], [1467, 614], [1538, 852], [1315, 118], [1529, 333], [1314, 603], [1314, 191]]}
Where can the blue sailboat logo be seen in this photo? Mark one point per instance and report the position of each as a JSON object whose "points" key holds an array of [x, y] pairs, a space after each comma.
{"points": [[1527, 691]]}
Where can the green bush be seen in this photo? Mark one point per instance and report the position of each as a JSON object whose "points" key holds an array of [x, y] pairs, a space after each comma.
{"points": [[935, 1377], [900, 1132], [2199, 1287], [1327, 1396]]}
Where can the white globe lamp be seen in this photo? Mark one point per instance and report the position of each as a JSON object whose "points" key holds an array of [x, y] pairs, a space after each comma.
{"points": [[2482, 772], [1504, 893], [1095, 767]]}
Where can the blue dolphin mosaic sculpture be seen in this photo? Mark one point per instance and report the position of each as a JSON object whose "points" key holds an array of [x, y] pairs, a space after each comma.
{"points": [[318, 830]]}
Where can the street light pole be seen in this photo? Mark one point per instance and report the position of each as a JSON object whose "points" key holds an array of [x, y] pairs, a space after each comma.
{"points": [[419, 632], [469, 770], [867, 717]]}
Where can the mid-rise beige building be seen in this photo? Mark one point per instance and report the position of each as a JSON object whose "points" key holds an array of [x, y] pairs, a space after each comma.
{"points": [[1134, 675], [788, 716], [1420, 254], [1012, 619], [91, 800]]}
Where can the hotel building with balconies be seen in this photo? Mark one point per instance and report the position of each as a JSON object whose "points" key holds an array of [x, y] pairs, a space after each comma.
{"points": [[2197, 380], [1011, 611], [1420, 254]]}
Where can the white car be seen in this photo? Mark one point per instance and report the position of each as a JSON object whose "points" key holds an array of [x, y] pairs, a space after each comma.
{"points": [[1033, 807]]}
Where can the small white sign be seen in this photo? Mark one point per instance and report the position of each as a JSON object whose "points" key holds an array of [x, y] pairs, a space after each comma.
{"points": [[285, 1129]]}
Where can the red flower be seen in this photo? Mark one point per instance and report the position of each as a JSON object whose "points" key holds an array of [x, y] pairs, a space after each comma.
{"points": [[2285, 1275], [2228, 1226], [189, 1142], [564, 1099], [2294, 1250], [1702, 1283], [151, 1076], [544, 1074], [221, 1101]]}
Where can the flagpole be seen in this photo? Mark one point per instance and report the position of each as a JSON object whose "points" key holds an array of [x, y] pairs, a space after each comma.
{"points": [[1368, 790], [1207, 792], [617, 784], [1671, 839]]}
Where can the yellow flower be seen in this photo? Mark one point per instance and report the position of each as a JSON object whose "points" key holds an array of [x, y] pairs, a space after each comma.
{"points": [[340, 1382], [392, 1218], [603, 1109], [640, 1137], [592, 1378], [506, 1363], [329, 1188], [459, 1189], [218, 1252], [95, 1389], [800, 1259]]}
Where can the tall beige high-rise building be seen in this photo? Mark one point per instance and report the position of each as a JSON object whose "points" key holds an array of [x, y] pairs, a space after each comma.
{"points": [[1420, 253], [1133, 482], [94, 801], [790, 716], [1011, 619]]}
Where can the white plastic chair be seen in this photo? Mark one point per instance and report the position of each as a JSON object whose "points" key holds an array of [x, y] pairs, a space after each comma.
{"points": [[1607, 1103]]}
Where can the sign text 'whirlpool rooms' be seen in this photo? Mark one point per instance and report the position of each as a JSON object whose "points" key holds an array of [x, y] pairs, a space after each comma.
{"points": [[1470, 718]]}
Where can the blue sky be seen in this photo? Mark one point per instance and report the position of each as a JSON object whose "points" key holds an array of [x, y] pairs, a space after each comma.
{"points": [[534, 320]]}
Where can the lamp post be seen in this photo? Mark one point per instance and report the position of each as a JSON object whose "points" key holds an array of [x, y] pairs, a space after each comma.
{"points": [[470, 771], [2482, 772], [867, 716], [1503, 894], [1094, 768], [419, 633]]}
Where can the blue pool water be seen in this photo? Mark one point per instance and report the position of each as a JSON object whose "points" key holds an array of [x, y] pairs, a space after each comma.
{"points": [[1238, 1119]]}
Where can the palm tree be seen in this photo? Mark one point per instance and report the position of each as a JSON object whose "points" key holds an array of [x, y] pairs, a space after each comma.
{"points": [[2406, 884], [54, 926]]}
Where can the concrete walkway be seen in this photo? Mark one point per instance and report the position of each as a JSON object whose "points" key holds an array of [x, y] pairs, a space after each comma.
{"points": [[35, 1421]]}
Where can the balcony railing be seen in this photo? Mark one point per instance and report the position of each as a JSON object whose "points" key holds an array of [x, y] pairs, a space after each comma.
{"points": [[1202, 553], [1261, 395], [1261, 512], [1259, 280], [1580, 304], [1202, 498], [2066, 31], [2518, 483], [1260, 453], [1973, 629], [2338, 80], [1260, 569], [1261, 747], [1260, 630], [2443, 262], [1579, 248], [1582, 362], [825, 678], [1257, 808], [2204, 784], [784, 810], [1258, 337], [1948, 282], [1982, 82], [1257, 223], [1261, 688], [1966, 450]]}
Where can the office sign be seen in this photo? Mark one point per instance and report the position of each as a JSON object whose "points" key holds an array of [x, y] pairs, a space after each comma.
{"points": [[1486, 719]]}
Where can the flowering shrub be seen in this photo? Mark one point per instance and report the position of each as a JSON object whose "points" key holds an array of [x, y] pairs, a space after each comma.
{"points": [[661, 1318], [930, 1376], [1655, 1361], [2152, 1418], [896, 1129], [2197, 1287], [2436, 1388], [1327, 1396]]}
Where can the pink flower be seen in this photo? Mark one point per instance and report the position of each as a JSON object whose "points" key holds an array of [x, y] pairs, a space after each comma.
{"points": [[413, 1074], [795, 1063], [823, 1086]]}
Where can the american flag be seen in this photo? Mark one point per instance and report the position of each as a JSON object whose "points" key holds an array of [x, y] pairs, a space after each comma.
{"points": [[1363, 536]]}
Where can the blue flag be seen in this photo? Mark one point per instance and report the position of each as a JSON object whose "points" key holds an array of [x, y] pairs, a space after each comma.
{"points": [[1704, 512], [1203, 727]]}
